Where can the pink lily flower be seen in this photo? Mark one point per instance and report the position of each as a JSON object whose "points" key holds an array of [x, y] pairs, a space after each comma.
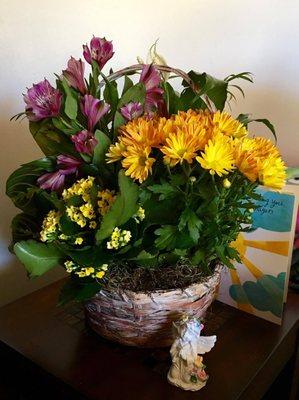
{"points": [[54, 181], [42, 101], [75, 74], [151, 79], [132, 110], [93, 109], [101, 50], [85, 142]]}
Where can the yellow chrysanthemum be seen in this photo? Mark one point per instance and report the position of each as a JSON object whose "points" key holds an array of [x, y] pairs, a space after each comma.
{"points": [[224, 123], [137, 162], [115, 152], [272, 172], [141, 131], [264, 147], [182, 145], [218, 156], [245, 159]]}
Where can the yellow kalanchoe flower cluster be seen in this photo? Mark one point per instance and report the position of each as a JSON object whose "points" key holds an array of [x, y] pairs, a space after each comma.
{"points": [[106, 199], [119, 238], [217, 141], [80, 188], [140, 215], [49, 226], [85, 212], [83, 272]]}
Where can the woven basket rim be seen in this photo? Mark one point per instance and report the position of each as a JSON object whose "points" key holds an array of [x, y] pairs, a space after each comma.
{"points": [[133, 293]]}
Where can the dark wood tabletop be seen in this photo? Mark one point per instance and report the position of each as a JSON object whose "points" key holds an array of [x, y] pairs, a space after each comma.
{"points": [[48, 349]]}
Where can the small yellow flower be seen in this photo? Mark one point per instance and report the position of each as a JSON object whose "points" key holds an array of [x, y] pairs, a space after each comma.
{"points": [[106, 199], [79, 240], [85, 272], [100, 274], [87, 211], [63, 236], [75, 215], [140, 213], [119, 238], [218, 156], [92, 224], [69, 265], [49, 226], [226, 183]]}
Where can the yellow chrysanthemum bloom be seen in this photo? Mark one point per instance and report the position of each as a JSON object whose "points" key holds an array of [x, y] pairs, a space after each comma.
{"points": [[272, 172], [245, 158], [224, 123], [218, 156], [99, 274], [75, 215], [115, 152], [183, 145], [141, 131], [138, 163], [119, 238], [264, 147]]}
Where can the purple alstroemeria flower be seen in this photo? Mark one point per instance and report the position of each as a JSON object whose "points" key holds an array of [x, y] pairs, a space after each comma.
{"points": [[54, 181], [93, 109], [131, 110], [75, 74], [101, 50], [85, 142], [42, 101], [151, 79]]}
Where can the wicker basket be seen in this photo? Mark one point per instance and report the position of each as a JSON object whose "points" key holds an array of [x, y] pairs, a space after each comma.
{"points": [[145, 319]]}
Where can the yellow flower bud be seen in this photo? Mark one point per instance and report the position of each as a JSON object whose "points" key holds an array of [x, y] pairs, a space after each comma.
{"points": [[226, 183]]}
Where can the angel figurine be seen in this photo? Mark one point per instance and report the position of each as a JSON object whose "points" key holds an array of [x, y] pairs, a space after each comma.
{"points": [[187, 370]]}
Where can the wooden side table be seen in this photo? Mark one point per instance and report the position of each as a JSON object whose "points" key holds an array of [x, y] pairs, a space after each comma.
{"points": [[47, 352]]}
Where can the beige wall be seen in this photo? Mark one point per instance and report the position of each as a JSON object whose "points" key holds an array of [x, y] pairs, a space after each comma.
{"points": [[219, 36]]}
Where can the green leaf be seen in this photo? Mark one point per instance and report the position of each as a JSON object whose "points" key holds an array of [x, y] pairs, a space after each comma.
{"points": [[127, 84], [75, 290], [37, 258], [166, 190], [21, 185], [24, 227], [245, 120], [190, 99], [71, 104], [136, 93], [172, 100], [166, 237], [190, 220], [50, 141], [111, 95], [145, 259], [124, 207], [198, 257], [215, 89], [101, 148], [118, 122]]}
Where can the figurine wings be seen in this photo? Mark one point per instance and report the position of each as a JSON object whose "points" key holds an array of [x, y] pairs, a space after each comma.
{"points": [[188, 343], [201, 345]]}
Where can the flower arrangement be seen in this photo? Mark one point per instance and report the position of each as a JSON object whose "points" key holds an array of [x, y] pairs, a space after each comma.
{"points": [[138, 179]]}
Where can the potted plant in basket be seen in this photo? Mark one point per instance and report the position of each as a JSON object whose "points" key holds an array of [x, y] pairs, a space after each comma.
{"points": [[141, 192]]}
